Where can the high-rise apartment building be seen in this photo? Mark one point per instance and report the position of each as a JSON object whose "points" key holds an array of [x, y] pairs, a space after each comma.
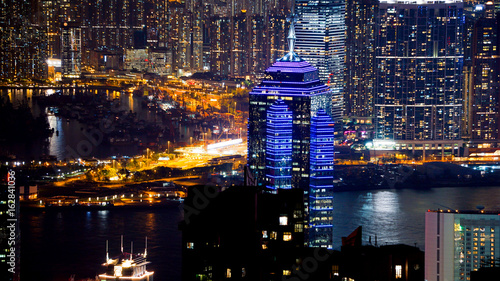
{"points": [[290, 138], [457, 243], [419, 60], [321, 42], [360, 57], [22, 41], [220, 45], [240, 45], [482, 103], [71, 50]]}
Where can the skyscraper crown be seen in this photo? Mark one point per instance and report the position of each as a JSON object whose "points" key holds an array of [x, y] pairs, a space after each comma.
{"points": [[291, 55]]}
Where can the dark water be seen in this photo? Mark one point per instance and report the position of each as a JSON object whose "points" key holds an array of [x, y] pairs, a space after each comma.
{"points": [[58, 244], [71, 131]]}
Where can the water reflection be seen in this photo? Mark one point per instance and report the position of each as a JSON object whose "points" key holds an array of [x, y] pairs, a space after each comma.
{"points": [[71, 131]]}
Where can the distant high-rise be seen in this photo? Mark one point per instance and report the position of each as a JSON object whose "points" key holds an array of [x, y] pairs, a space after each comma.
{"points": [[321, 42], [419, 59], [360, 57], [220, 45], [240, 45], [71, 50], [459, 242], [290, 143], [23, 45], [482, 105]]}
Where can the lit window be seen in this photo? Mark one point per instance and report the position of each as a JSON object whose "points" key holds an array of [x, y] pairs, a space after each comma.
{"points": [[273, 235], [243, 272], [283, 220], [190, 245], [264, 234], [264, 246], [399, 271], [228, 272], [287, 236], [287, 272], [298, 227]]}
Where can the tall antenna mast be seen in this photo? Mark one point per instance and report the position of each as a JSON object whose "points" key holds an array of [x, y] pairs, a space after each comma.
{"points": [[291, 32]]}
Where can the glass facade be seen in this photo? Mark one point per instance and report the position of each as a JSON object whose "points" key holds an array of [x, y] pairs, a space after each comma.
{"points": [[279, 146], [290, 122], [298, 86], [419, 60], [321, 181], [321, 42]]}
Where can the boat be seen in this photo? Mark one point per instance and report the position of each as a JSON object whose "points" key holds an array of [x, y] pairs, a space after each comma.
{"points": [[127, 266]]}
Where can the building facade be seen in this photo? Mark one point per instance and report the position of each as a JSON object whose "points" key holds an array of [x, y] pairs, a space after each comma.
{"points": [[320, 32], [360, 57], [71, 50], [457, 243], [290, 138], [419, 61], [485, 98]]}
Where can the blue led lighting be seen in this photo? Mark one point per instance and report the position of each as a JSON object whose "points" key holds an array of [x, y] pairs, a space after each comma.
{"points": [[279, 146]]}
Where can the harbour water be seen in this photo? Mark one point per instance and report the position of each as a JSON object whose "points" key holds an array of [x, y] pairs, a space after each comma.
{"points": [[73, 242], [71, 132]]}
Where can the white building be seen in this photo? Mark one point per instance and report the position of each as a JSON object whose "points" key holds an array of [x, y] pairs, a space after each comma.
{"points": [[457, 243]]}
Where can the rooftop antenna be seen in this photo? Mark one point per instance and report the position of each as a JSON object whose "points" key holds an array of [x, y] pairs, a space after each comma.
{"points": [[291, 32], [131, 249], [107, 253], [122, 244], [146, 248]]}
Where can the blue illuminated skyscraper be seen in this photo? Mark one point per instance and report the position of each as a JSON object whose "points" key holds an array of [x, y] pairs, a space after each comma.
{"points": [[279, 146], [289, 124], [321, 184]]}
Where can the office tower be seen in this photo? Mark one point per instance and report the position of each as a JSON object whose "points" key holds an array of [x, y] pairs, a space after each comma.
{"points": [[458, 242], [321, 42], [279, 146], [419, 59], [321, 184], [71, 50], [483, 105], [290, 122], [360, 57]]}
